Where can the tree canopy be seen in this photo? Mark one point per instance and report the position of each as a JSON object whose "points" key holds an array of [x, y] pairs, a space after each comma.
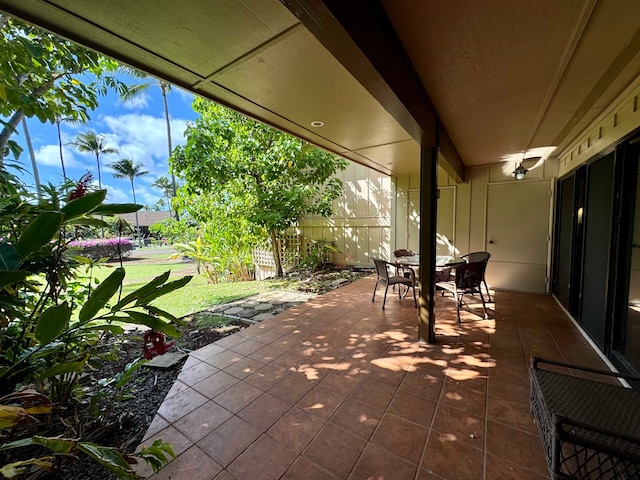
{"points": [[263, 175], [40, 75]]}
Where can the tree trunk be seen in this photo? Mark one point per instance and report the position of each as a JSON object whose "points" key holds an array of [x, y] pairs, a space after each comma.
{"points": [[32, 155], [163, 89], [137, 222], [275, 246], [99, 175], [7, 131], [64, 172]]}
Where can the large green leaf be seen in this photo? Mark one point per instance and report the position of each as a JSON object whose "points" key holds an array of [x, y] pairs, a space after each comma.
{"points": [[83, 205], [109, 457], [163, 313], [9, 258], [62, 368], [52, 322], [8, 277], [141, 318], [163, 290], [57, 444], [39, 232], [15, 469], [101, 295], [142, 291], [117, 208], [87, 221]]}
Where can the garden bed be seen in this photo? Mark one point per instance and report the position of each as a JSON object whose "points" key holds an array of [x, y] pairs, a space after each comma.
{"points": [[123, 423]]}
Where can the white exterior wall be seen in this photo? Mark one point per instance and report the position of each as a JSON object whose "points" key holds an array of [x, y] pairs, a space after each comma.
{"points": [[379, 214], [361, 224], [475, 213]]}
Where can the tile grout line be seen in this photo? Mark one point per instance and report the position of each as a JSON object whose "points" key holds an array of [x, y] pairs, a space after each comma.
{"points": [[433, 419]]}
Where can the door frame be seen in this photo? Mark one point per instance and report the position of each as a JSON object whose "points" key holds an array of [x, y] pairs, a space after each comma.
{"points": [[551, 219]]}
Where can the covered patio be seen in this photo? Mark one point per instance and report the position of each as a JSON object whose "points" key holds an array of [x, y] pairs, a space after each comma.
{"points": [[337, 388]]}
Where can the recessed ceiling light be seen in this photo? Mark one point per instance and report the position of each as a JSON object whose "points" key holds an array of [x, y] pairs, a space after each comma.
{"points": [[317, 124]]}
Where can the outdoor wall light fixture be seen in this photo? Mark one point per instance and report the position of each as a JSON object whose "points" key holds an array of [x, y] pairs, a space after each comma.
{"points": [[317, 124], [520, 172]]}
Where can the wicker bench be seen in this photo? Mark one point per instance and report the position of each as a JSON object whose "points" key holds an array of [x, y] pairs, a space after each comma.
{"points": [[589, 429]]}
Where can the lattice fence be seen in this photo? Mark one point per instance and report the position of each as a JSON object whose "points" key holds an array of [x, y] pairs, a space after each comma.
{"points": [[290, 250]]}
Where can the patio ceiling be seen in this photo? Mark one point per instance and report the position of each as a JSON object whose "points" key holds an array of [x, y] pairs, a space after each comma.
{"points": [[503, 77]]}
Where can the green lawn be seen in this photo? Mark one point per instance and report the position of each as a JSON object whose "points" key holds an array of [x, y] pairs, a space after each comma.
{"points": [[197, 295]]}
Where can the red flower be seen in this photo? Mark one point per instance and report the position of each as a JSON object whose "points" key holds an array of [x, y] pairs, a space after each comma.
{"points": [[154, 344], [82, 187]]}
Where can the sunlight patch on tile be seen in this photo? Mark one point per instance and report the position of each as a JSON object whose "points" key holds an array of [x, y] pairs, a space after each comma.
{"points": [[395, 364], [463, 374]]}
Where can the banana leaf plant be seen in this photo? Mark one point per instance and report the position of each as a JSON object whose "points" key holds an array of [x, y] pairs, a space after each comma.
{"points": [[50, 329]]}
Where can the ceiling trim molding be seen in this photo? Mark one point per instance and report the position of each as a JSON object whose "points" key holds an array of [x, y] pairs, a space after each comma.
{"points": [[360, 36], [581, 25]]}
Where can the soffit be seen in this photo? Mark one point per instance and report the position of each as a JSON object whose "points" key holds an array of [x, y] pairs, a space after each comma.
{"points": [[503, 76], [251, 55], [511, 76]]}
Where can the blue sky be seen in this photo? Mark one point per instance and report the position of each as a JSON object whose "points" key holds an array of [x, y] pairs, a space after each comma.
{"points": [[136, 128]]}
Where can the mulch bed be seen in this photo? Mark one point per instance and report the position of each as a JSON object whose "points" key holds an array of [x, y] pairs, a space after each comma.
{"points": [[120, 423]]}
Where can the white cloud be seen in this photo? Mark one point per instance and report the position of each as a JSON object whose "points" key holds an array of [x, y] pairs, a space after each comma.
{"points": [[116, 195], [50, 155], [185, 94], [143, 138], [138, 102]]}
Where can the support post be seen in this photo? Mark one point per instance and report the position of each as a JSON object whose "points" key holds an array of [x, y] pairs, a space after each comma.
{"points": [[428, 230]]}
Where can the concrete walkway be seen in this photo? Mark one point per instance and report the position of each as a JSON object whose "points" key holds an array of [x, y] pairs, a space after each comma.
{"points": [[261, 307]]}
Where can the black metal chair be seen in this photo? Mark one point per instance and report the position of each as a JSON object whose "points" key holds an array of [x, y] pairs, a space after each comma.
{"points": [[468, 281], [384, 278], [479, 257]]}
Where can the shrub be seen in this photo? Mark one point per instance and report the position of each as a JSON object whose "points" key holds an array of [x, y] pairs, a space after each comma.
{"points": [[109, 248], [51, 324]]}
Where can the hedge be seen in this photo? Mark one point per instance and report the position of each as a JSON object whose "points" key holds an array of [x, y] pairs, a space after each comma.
{"points": [[110, 248]]}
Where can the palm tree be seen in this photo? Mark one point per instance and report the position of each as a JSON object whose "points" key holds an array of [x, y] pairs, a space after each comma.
{"points": [[59, 119], [32, 155], [127, 168], [164, 184], [165, 88], [92, 142]]}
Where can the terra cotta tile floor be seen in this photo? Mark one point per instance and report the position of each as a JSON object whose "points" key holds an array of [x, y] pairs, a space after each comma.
{"points": [[337, 388]]}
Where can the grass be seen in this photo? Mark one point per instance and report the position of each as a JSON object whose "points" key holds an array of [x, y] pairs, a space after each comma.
{"points": [[197, 295]]}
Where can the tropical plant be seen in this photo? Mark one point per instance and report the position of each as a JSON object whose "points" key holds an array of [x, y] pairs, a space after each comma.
{"points": [[184, 230], [198, 252], [165, 185], [41, 76], [318, 255], [91, 142], [265, 176], [127, 168], [51, 324]]}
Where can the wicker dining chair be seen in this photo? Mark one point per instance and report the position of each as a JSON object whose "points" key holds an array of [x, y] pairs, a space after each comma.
{"points": [[479, 257], [384, 278], [468, 281]]}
